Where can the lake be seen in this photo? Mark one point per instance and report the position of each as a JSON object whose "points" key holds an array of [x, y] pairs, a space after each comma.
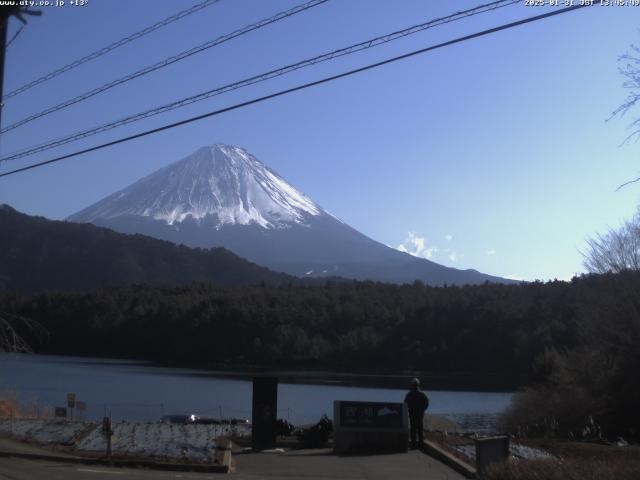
{"points": [[143, 391]]}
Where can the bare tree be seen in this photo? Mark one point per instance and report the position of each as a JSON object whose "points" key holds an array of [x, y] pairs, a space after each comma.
{"points": [[619, 249], [630, 70], [615, 251], [10, 338]]}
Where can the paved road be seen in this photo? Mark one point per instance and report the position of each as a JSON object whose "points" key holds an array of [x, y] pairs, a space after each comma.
{"points": [[20, 469], [313, 465], [324, 465]]}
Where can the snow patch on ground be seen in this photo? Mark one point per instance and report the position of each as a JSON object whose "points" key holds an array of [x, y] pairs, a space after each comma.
{"points": [[515, 449], [62, 432], [522, 451], [188, 442], [192, 442]]}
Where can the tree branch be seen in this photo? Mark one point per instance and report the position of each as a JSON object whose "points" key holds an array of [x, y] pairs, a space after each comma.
{"points": [[10, 338]]}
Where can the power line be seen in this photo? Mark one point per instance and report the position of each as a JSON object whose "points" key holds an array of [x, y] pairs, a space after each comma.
{"points": [[374, 42], [168, 61], [15, 35], [111, 47], [302, 87]]}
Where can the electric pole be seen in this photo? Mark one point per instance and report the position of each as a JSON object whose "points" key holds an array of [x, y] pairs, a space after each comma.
{"points": [[5, 13]]}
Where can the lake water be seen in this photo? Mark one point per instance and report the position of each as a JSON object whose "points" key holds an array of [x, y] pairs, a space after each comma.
{"points": [[143, 391]]}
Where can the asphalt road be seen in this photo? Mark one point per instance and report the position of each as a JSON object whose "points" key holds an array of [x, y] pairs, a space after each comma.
{"points": [[315, 465], [322, 464], [20, 469]]}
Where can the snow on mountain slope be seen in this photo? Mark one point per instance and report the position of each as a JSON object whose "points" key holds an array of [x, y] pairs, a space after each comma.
{"points": [[222, 196], [222, 181]]}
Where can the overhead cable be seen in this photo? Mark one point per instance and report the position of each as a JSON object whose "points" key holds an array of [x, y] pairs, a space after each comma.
{"points": [[301, 87], [102, 51], [166, 62], [367, 44]]}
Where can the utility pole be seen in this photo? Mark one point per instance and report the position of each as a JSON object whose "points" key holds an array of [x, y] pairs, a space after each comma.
{"points": [[4, 24], [5, 13]]}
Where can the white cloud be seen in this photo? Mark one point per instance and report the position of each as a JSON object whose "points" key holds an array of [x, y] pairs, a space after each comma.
{"points": [[454, 256], [448, 237], [490, 252], [428, 253], [417, 246]]}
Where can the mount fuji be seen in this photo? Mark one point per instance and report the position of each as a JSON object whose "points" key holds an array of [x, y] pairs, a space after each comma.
{"points": [[224, 196]]}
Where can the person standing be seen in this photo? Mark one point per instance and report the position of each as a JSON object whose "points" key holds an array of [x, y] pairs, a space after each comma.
{"points": [[417, 403]]}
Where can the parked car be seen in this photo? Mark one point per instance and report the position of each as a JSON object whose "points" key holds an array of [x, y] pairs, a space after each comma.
{"points": [[239, 421], [176, 418], [204, 420]]}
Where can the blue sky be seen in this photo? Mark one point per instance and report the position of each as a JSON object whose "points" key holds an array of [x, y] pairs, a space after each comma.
{"points": [[492, 154]]}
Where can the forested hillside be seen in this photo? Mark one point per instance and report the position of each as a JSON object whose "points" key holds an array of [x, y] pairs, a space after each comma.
{"points": [[487, 336], [36, 254]]}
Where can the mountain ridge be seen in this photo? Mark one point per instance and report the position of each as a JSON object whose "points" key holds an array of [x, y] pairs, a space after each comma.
{"points": [[224, 196], [37, 253]]}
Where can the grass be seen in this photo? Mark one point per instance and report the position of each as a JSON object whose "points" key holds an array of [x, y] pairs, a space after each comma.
{"points": [[8, 409], [579, 460], [570, 469], [12, 406], [584, 451]]}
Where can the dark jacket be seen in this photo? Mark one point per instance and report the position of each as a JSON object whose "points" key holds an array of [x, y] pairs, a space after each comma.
{"points": [[417, 402]]}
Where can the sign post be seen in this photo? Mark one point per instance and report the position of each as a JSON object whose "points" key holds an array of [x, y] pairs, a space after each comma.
{"points": [[108, 432], [371, 426], [71, 403], [82, 407]]}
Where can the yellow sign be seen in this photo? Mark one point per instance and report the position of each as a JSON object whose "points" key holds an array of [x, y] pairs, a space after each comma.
{"points": [[71, 400]]}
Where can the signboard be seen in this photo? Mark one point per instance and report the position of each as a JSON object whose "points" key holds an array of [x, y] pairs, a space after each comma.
{"points": [[370, 426], [71, 400], [81, 406], [60, 412], [371, 415]]}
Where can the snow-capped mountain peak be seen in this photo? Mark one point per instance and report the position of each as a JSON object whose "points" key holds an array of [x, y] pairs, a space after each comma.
{"points": [[222, 181], [222, 196]]}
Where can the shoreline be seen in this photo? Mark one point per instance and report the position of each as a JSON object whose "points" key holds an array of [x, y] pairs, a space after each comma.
{"points": [[146, 392], [324, 376]]}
